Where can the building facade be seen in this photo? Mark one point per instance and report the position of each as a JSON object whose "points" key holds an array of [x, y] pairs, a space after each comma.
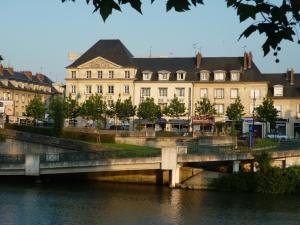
{"points": [[17, 89], [109, 69]]}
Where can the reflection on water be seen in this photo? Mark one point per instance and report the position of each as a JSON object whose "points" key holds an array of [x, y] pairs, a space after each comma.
{"points": [[98, 203]]}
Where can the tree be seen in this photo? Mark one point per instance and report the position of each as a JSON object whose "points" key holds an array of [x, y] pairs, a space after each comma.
{"points": [[235, 112], [57, 111], [205, 108], [1, 59], [267, 112], [125, 109], [94, 108], [175, 109], [148, 110], [278, 21], [36, 108], [71, 108]]}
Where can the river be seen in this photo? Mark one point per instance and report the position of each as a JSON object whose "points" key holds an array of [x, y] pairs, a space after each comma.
{"points": [[75, 203]]}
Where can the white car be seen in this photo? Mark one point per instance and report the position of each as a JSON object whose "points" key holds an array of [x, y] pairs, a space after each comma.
{"points": [[276, 136]]}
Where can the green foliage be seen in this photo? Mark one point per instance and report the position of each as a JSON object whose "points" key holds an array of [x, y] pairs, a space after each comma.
{"points": [[2, 138], [267, 112], [125, 109], [175, 109], [148, 110], [235, 111], [205, 108], [264, 161], [274, 181], [1, 59], [36, 108], [278, 21], [88, 137], [30, 129], [265, 142], [94, 108], [57, 111], [72, 108]]}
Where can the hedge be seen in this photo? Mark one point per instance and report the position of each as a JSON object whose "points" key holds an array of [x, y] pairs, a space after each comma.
{"points": [[30, 129], [105, 138]]}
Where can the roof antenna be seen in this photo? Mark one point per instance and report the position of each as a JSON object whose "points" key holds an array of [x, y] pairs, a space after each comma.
{"points": [[244, 47], [195, 47], [150, 52]]}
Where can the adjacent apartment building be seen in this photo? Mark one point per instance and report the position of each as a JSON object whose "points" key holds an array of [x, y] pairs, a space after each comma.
{"points": [[108, 68], [17, 89]]}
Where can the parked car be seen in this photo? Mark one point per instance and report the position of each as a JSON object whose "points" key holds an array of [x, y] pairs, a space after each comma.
{"points": [[277, 136], [119, 127]]}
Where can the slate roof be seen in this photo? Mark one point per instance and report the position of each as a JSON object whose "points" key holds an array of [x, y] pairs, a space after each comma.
{"points": [[20, 76], [112, 50], [289, 91]]}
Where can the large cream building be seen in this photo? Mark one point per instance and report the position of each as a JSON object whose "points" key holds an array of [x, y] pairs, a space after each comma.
{"points": [[109, 69], [17, 89]]}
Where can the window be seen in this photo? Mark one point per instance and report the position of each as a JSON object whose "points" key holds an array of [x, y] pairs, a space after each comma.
{"points": [[17, 97], [73, 74], [147, 75], [127, 74], [278, 90], [203, 93], [110, 89], [88, 89], [73, 89], [219, 92], [180, 92], [23, 98], [235, 76], [220, 109], [234, 93], [88, 74], [204, 76], [126, 89], [255, 93], [219, 76], [163, 92], [279, 110], [100, 74], [163, 76], [99, 89], [110, 103], [162, 105], [180, 75], [145, 92], [110, 74]]}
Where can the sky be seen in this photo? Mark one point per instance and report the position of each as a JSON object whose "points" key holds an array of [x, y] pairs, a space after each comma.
{"points": [[37, 35]]}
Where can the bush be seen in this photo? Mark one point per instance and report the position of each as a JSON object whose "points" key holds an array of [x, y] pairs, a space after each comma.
{"points": [[105, 138], [274, 180], [30, 129], [167, 134], [2, 138]]}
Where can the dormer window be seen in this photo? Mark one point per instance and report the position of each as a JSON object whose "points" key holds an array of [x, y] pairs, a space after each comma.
{"points": [[219, 75], [278, 90], [180, 75], [204, 75], [147, 75], [234, 75], [163, 75]]}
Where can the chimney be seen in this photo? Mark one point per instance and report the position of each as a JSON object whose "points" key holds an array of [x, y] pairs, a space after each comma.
{"points": [[198, 59], [40, 76], [292, 77], [1, 70], [28, 74], [10, 70], [249, 60], [245, 60]]}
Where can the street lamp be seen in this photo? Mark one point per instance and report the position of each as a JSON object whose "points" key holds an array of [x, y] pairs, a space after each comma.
{"points": [[253, 115]]}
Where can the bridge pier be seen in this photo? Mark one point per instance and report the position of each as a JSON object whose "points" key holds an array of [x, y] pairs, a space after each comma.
{"points": [[32, 165], [169, 162], [236, 166]]}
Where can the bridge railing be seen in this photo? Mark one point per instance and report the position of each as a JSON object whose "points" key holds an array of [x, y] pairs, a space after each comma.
{"points": [[194, 148], [12, 158], [86, 156]]}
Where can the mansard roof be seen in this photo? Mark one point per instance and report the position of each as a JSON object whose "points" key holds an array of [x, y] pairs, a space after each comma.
{"points": [[20, 76], [289, 91], [112, 50]]}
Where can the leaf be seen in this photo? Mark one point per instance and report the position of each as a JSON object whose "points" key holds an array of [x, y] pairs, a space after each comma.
{"points": [[252, 28], [136, 4], [246, 11], [105, 7], [179, 6]]}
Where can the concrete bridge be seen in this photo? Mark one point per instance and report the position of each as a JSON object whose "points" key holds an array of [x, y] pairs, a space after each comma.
{"points": [[170, 159]]}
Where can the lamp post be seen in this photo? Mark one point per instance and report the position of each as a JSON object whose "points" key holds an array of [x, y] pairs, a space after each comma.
{"points": [[253, 115]]}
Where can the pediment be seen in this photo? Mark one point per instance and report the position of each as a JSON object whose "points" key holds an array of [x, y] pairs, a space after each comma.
{"points": [[99, 63]]}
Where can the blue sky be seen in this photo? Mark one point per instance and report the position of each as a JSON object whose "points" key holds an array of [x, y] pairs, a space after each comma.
{"points": [[37, 35]]}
